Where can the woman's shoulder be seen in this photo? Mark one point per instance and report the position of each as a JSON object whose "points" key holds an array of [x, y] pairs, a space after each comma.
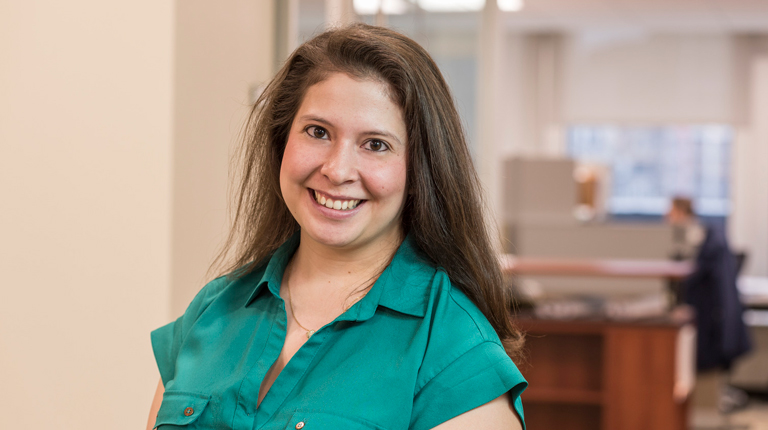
{"points": [[441, 301], [209, 292], [458, 331], [202, 301], [457, 313], [447, 299], [464, 364], [232, 286]]}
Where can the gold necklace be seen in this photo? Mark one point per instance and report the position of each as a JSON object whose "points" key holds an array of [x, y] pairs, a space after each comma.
{"points": [[290, 303], [293, 314]]}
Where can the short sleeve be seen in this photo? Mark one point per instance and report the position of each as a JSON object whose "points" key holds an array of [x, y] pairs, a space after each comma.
{"points": [[165, 344], [167, 340], [482, 374]]}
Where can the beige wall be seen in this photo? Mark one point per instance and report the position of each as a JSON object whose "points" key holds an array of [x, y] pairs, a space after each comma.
{"points": [[101, 190], [85, 114], [223, 49]]}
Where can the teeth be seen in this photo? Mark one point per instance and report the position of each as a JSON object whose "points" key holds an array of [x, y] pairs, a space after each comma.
{"points": [[342, 205]]}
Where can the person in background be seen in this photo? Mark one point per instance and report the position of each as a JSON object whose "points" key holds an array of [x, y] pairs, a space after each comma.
{"points": [[364, 290], [711, 290], [688, 233]]}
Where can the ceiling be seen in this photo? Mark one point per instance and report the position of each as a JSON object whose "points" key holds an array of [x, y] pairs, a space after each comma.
{"points": [[675, 15], [725, 15]]}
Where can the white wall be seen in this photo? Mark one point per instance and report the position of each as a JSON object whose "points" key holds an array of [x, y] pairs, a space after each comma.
{"points": [[85, 203], [638, 77], [116, 119]]}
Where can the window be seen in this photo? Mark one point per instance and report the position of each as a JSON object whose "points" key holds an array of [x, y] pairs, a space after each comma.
{"points": [[649, 165]]}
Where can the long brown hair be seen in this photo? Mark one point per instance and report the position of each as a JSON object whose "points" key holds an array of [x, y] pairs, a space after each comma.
{"points": [[443, 211]]}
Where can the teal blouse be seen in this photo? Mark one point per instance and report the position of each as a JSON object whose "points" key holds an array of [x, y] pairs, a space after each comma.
{"points": [[413, 353]]}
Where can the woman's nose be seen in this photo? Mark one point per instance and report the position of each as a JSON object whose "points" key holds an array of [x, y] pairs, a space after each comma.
{"points": [[341, 164]]}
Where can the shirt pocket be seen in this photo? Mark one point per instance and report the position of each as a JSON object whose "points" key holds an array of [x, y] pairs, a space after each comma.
{"points": [[313, 420], [180, 409]]}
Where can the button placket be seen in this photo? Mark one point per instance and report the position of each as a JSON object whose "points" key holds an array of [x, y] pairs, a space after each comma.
{"points": [[290, 376], [248, 414]]}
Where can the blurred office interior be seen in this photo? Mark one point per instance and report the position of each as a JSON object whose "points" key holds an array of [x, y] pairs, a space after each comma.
{"points": [[585, 117]]}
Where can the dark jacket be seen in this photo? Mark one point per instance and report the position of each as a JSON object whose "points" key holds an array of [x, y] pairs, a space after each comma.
{"points": [[711, 289]]}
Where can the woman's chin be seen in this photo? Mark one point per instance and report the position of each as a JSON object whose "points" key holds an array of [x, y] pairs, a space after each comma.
{"points": [[331, 239]]}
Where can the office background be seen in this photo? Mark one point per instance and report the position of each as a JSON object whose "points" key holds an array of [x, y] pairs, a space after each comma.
{"points": [[118, 119]]}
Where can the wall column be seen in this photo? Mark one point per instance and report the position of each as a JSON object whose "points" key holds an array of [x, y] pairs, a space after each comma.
{"points": [[749, 215], [489, 112]]}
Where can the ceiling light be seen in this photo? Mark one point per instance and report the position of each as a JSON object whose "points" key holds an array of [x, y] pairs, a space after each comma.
{"points": [[397, 7], [510, 5], [388, 7], [451, 5]]}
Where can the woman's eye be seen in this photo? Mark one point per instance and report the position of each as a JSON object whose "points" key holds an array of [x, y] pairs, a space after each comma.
{"points": [[317, 132], [376, 146]]}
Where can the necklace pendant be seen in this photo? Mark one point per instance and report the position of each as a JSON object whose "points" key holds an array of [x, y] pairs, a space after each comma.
{"points": [[310, 333]]}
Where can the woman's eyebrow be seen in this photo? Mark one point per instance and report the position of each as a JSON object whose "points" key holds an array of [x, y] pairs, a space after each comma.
{"points": [[313, 118], [382, 134]]}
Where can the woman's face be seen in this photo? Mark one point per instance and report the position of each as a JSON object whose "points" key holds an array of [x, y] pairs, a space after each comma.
{"points": [[343, 175]]}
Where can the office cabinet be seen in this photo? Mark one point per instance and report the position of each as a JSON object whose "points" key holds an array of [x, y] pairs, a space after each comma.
{"points": [[607, 375]]}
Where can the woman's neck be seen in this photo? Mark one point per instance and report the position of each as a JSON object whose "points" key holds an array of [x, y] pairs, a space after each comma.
{"points": [[318, 269]]}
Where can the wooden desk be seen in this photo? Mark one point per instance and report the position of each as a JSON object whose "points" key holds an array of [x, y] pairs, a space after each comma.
{"points": [[672, 270], [606, 375], [602, 374]]}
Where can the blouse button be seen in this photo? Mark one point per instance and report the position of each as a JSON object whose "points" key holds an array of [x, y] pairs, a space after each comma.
{"points": [[189, 411], [300, 425]]}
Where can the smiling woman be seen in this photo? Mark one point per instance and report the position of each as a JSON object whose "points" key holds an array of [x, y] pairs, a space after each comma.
{"points": [[364, 292]]}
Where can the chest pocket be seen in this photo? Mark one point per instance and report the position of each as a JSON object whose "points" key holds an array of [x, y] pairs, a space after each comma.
{"points": [[310, 420], [180, 409]]}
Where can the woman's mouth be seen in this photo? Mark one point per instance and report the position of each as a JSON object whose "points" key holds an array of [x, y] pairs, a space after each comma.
{"points": [[343, 205]]}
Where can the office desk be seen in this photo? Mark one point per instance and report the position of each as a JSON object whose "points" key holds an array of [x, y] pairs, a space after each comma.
{"points": [[620, 268], [609, 375], [671, 271], [602, 374]]}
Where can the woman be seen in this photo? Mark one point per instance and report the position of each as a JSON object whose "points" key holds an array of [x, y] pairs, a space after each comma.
{"points": [[365, 292]]}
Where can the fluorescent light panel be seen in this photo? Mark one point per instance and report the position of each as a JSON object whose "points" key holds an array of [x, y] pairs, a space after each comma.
{"points": [[397, 7], [451, 5], [510, 5], [388, 7]]}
